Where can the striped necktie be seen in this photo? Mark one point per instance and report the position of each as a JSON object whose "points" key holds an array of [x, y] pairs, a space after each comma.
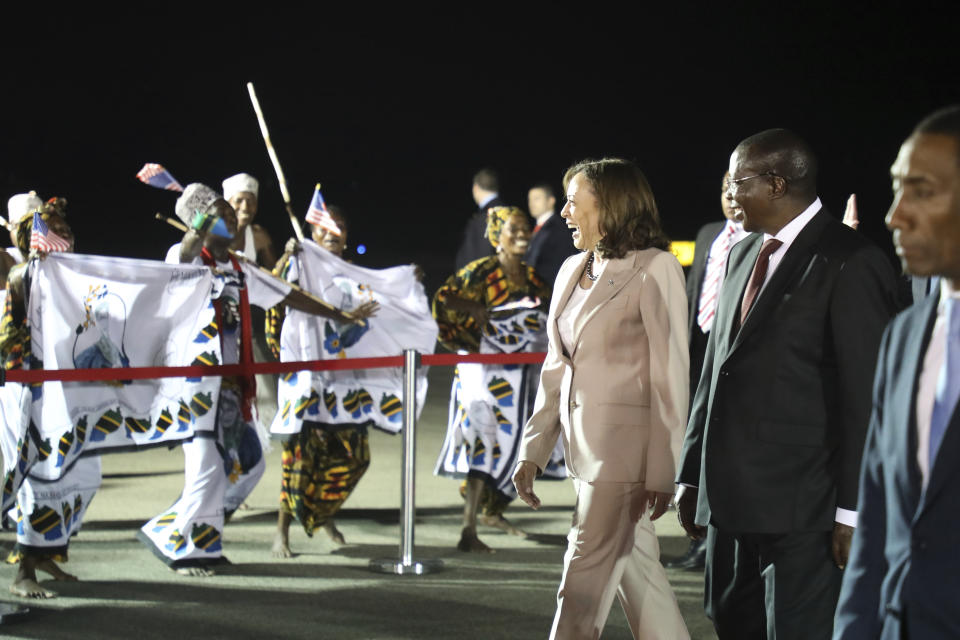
{"points": [[711, 282], [948, 384]]}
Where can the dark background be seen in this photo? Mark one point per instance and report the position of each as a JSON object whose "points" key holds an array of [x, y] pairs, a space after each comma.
{"points": [[393, 110]]}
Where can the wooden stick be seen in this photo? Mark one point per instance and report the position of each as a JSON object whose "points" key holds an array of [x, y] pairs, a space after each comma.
{"points": [[276, 161], [176, 224], [239, 256]]}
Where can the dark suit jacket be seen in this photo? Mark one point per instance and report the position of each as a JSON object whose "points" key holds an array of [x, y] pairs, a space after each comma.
{"points": [[549, 247], [474, 244], [905, 558], [698, 270], [781, 411]]}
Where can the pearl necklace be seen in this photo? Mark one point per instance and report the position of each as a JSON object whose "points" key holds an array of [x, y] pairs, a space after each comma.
{"points": [[590, 274]]}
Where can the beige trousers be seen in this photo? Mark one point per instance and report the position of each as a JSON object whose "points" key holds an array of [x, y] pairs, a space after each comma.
{"points": [[613, 550]]}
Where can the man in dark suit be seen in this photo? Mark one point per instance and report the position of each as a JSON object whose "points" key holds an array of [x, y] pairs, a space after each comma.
{"points": [[773, 444], [474, 245], [713, 244], [551, 243], [912, 288], [711, 249], [903, 579]]}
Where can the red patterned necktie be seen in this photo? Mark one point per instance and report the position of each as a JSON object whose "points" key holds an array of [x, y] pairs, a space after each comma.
{"points": [[758, 276], [711, 282]]}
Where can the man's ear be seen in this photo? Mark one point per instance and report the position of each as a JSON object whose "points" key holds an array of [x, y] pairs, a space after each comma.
{"points": [[778, 187]]}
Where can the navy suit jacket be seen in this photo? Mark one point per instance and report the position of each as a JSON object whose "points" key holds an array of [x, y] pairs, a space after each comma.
{"points": [[781, 411], [904, 566], [549, 247]]}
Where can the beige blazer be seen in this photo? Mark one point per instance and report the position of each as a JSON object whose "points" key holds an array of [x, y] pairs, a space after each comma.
{"points": [[620, 397]]}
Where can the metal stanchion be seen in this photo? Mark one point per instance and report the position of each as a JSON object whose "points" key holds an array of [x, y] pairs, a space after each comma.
{"points": [[406, 564], [12, 612]]}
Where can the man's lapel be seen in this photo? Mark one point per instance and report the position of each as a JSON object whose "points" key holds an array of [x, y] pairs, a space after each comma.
{"points": [[947, 462], [739, 268], [797, 257], [903, 409]]}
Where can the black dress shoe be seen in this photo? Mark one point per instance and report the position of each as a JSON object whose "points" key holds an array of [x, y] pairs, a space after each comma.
{"points": [[694, 559]]}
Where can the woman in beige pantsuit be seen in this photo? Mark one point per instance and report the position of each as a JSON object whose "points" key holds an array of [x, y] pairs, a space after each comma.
{"points": [[615, 386]]}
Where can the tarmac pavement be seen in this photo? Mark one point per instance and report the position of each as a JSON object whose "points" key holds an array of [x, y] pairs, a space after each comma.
{"points": [[324, 591]]}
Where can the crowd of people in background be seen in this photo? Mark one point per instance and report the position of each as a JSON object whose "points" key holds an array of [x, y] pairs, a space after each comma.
{"points": [[802, 423]]}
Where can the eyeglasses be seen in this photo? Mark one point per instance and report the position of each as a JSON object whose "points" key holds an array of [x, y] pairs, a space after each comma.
{"points": [[733, 183]]}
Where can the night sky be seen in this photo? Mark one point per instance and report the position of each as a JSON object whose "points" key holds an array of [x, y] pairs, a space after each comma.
{"points": [[394, 112]]}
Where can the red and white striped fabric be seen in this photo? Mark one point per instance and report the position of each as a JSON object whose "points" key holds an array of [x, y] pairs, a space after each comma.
{"points": [[318, 215], [711, 281], [42, 239], [157, 176]]}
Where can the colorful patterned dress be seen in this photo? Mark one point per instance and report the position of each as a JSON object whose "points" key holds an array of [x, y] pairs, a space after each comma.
{"points": [[323, 463], [489, 404]]}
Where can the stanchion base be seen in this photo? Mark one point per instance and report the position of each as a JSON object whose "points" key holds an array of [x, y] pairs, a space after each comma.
{"points": [[12, 612], [396, 567]]}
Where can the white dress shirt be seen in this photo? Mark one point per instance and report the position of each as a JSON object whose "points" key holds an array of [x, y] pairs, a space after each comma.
{"points": [[787, 235], [483, 205]]}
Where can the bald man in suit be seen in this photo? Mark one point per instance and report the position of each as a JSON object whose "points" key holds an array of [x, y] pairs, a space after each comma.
{"points": [[773, 444]]}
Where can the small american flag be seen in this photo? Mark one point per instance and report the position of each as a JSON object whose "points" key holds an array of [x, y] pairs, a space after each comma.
{"points": [[317, 213], [42, 239], [155, 175]]}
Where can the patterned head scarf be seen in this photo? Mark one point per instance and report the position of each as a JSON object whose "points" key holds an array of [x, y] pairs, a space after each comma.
{"points": [[496, 218], [196, 197]]}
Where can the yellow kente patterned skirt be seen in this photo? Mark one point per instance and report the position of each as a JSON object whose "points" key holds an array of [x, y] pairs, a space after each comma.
{"points": [[320, 467]]}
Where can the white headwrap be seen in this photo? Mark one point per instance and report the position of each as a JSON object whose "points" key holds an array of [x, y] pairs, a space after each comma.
{"points": [[196, 197], [240, 182], [21, 205]]}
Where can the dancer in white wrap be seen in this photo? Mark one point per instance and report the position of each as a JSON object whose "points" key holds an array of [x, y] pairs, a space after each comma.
{"points": [[220, 471]]}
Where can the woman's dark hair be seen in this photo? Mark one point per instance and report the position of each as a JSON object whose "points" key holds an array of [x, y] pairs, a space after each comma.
{"points": [[629, 218]]}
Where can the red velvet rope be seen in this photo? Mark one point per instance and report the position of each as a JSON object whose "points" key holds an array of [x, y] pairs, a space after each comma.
{"points": [[140, 373]]}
